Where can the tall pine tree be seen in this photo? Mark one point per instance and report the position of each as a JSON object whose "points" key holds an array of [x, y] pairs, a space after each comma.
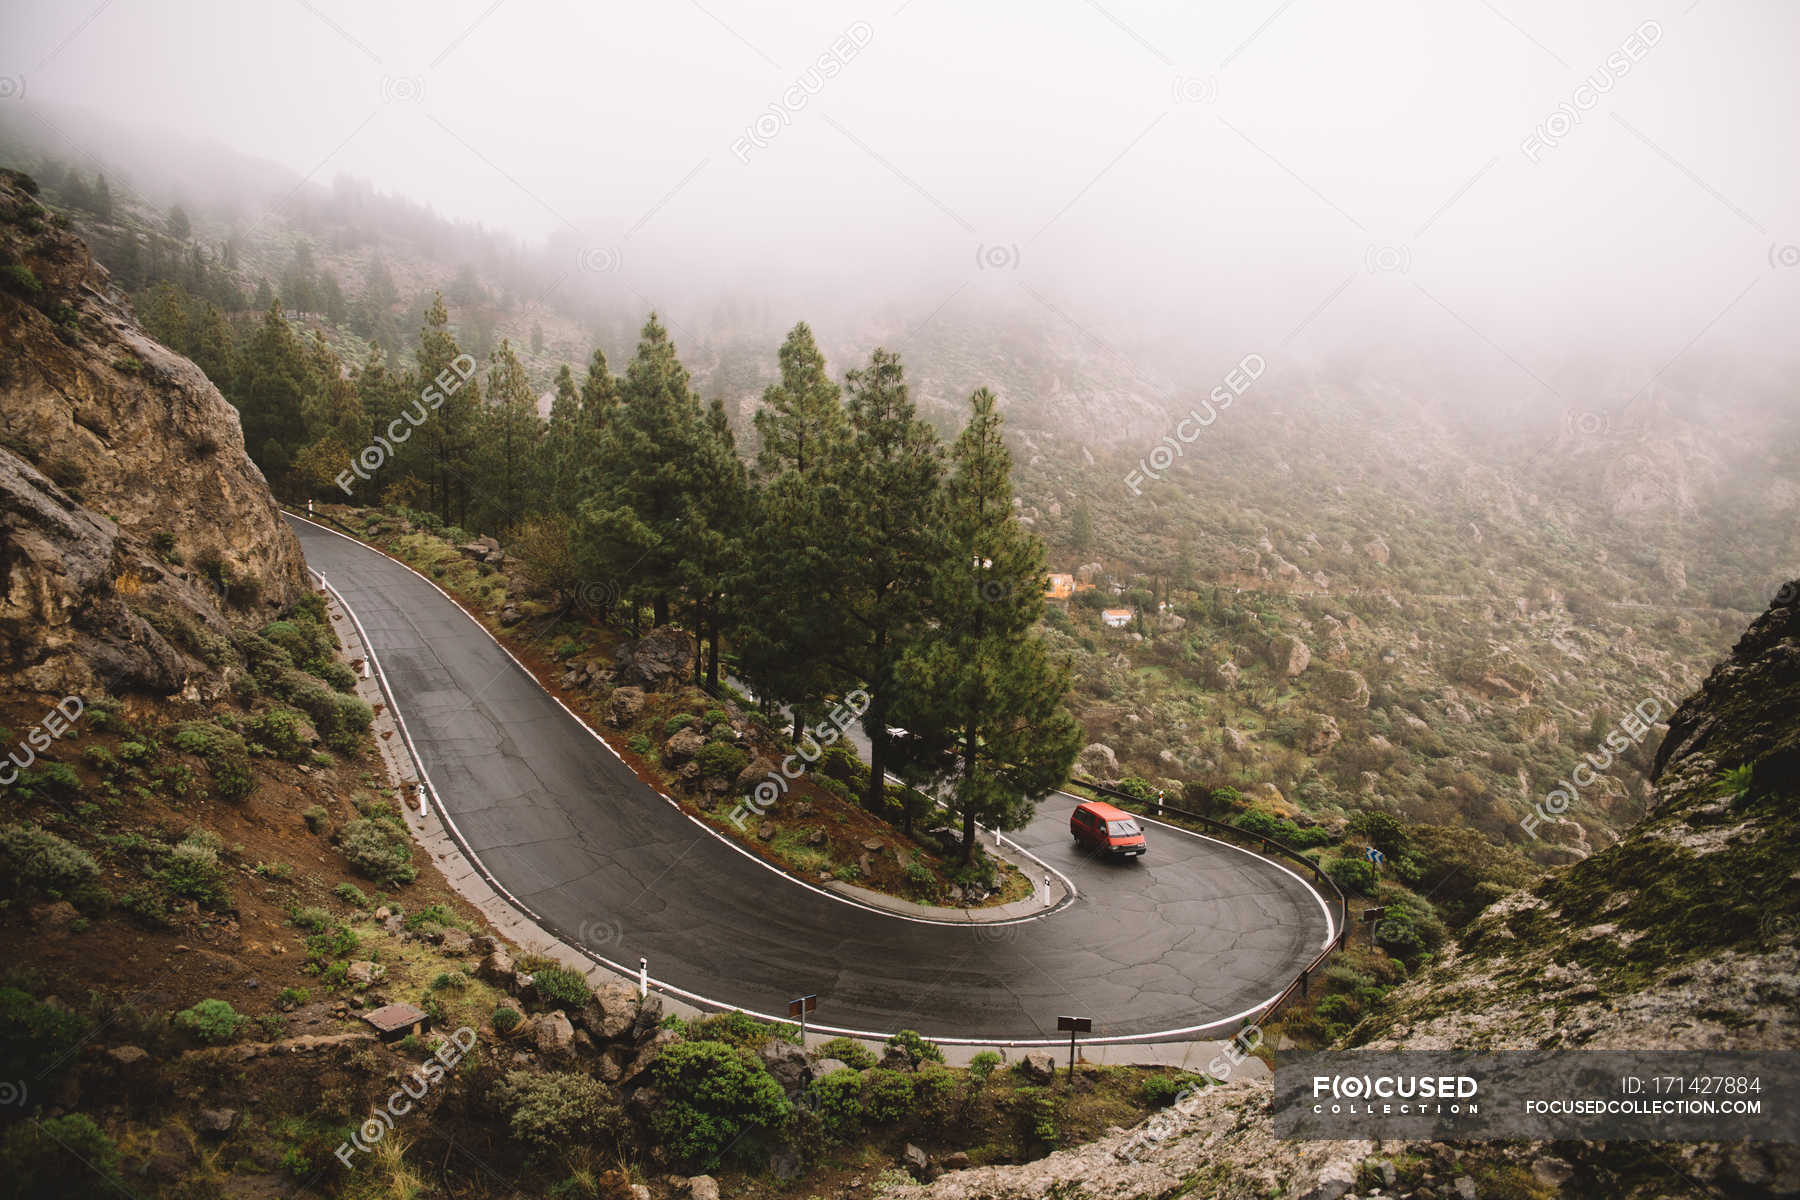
{"points": [[981, 683]]}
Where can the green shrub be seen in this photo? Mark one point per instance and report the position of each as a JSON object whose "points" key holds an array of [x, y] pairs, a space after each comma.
{"points": [[1338, 1009], [738, 1030], [281, 732], [551, 1112], [982, 1065], [449, 981], [854, 1054], [562, 988], [34, 861], [339, 676], [886, 1095], [1355, 875], [34, 1037], [42, 1159], [313, 920], [316, 818], [639, 745], [933, 1087], [431, 914], [677, 723], [291, 997], [376, 847], [505, 1019], [1160, 1091], [309, 644], [212, 1021], [916, 1048], [715, 1098], [191, 870], [720, 760], [350, 894], [838, 1100]]}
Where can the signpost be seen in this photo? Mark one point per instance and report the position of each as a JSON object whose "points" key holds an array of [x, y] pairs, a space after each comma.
{"points": [[1371, 915], [1375, 856], [798, 1010], [1073, 1026]]}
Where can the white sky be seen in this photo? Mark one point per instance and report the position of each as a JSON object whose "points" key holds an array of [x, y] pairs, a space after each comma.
{"points": [[1257, 173]]}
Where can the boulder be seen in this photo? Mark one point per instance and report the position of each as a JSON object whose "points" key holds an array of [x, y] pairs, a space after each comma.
{"points": [[1378, 551], [362, 974], [956, 1161], [553, 1034], [684, 745], [662, 658], [614, 1010], [1038, 1067], [826, 1066], [1289, 655], [786, 1064], [455, 942], [497, 966], [215, 1122], [626, 704], [1235, 741], [1098, 761], [648, 1054], [1322, 735], [1347, 687], [916, 1161], [703, 1187]]}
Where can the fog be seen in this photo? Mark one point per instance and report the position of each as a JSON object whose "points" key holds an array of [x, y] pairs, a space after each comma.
{"points": [[1571, 198]]}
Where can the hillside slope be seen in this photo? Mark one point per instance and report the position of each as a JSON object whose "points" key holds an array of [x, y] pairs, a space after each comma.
{"points": [[1682, 934]]}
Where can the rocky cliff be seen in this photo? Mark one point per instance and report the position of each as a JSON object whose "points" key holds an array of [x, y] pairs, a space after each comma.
{"points": [[134, 530], [1683, 934]]}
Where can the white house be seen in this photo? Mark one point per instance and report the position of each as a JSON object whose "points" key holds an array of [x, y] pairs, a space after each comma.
{"points": [[1115, 618]]}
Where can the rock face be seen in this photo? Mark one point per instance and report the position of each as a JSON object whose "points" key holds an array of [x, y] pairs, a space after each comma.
{"points": [[97, 418], [1347, 687], [1098, 760]]}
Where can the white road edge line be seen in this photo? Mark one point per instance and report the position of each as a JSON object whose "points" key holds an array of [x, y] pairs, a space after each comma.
{"points": [[669, 988]]}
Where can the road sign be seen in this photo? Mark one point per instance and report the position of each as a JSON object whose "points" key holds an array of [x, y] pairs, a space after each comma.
{"points": [[1073, 1026], [1375, 856], [798, 1010], [1371, 915]]}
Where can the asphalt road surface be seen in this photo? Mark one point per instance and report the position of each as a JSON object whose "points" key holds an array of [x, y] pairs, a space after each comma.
{"points": [[1196, 932]]}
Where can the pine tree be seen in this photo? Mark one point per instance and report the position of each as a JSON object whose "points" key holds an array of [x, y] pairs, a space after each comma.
{"points": [[446, 434], [103, 204], [1081, 527], [714, 537], [568, 445], [981, 682], [507, 446], [886, 547], [802, 415], [782, 624], [599, 391], [275, 374], [631, 528]]}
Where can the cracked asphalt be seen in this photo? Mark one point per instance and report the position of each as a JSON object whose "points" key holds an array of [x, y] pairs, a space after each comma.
{"points": [[1195, 932]]}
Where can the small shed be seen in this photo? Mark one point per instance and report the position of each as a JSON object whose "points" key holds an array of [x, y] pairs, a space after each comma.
{"points": [[395, 1021], [1116, 618]]}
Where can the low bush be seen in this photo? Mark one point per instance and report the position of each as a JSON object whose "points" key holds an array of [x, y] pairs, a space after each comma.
{"points": [[380, 848], [562, 988], [191, 870], [721, 760], [837, 1098], [553, 1111], [212, 1021], [855, 1054], [887, 1095], [44, 1158], [716, 1098], [915, 1047], [281, 731], [36, 862], [1160, 1091], [34, 1037]]}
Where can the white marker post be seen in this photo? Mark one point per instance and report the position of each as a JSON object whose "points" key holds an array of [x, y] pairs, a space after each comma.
{"points": [[1046, 889], [643, 978]]}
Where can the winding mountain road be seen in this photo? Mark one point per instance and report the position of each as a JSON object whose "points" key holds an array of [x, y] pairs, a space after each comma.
{"points": [[1194, 936]]}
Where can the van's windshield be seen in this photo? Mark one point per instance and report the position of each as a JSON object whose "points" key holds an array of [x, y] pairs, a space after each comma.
{"points": [[1122, 828]]}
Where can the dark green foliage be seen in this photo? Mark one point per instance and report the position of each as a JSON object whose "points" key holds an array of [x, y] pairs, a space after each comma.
{"points": [[715, 1098], [34, 1038], [850, 1053], [838, 1100], [40, 1158], [721, 760], [280, 731], [915, 1047], [191, 870], [1355, 875], [1160, 1091], [887, 1095], [1284, 831], [226, 757]]}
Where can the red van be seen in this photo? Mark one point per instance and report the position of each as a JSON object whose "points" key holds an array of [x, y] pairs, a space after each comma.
{"points": [[1101, 827]]}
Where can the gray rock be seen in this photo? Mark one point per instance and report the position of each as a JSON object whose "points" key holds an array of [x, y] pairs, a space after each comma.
{"points": [[498, 966], [661, 658], [916, 1161], [553, 1033], [1038, 1067], [364, 973], [786, 1063], [1464, 1187], [626, 705], [826, 1066], [703, 1187], [684, 745], [456, 942], [215, 1122]]}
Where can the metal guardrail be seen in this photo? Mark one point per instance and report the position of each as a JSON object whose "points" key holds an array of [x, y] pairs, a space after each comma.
{"points": [[1267, 847]]}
